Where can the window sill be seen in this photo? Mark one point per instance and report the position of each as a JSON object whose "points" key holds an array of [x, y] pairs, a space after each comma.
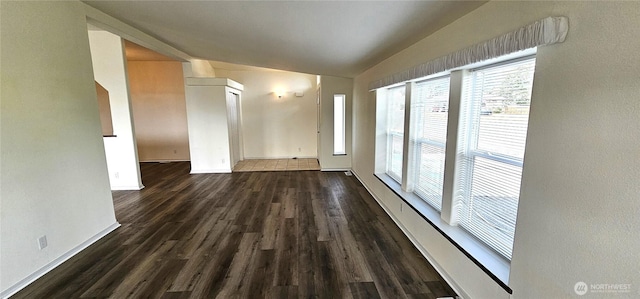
{"points": [[492, 263]]}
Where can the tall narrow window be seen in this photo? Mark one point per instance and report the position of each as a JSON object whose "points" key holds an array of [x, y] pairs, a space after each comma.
{"points": [[430, 105], [395, 131], [339, 136], [494, 120]]}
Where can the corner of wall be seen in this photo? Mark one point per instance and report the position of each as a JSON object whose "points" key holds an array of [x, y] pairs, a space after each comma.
{"points": [[202, 69]]}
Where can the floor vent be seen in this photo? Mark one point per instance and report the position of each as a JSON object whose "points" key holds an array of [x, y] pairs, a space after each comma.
{"points": [[348, 173]]}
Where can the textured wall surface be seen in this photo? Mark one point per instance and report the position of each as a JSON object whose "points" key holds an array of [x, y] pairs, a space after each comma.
{"points": [[54, 171], [277, 127]]}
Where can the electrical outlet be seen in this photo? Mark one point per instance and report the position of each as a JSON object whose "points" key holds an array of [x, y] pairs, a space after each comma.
{"points": [[116, 175], [299, 149], [42, 242]]}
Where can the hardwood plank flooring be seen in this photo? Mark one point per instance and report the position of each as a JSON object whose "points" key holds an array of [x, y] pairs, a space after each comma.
{"points": [[305, 234]]}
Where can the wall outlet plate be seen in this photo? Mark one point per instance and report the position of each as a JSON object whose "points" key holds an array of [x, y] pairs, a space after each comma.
{"points": [[42, 242]]}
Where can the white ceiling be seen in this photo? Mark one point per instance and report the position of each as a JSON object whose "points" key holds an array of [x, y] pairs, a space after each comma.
{"points": [[339, 38]]}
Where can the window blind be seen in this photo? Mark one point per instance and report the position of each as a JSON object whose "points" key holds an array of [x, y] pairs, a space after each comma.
{"points": [[395, 131], [494, 122], [430, 105]]}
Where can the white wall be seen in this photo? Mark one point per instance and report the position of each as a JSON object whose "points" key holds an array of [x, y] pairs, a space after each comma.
{"points": [[202, 68], [54, 172], [579, 205], [110, 70], [277, 127], [330, 86]]}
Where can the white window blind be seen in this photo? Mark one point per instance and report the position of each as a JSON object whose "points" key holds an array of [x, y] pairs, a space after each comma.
{"points": [[494, 119], [430, 105], [395, 131]]}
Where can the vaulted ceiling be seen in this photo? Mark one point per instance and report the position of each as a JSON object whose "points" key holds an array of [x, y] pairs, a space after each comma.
{"points": [[339, 38]]}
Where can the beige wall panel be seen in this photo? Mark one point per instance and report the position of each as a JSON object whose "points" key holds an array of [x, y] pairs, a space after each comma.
{"points": [[159, 110]]}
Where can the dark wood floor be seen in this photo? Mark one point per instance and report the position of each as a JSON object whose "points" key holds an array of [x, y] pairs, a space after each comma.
{"points": [[302, 234]]}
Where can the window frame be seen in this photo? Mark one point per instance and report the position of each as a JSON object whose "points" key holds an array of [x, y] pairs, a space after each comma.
{"points": [[418, 141], [339, 144], [469, 154], [392, 135]]}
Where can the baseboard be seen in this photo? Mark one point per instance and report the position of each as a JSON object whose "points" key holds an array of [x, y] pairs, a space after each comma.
{"points": [[280, 157], [127, 188], [57, 262], [335, 169], [416, 244], [164, 161], [223, 170]]}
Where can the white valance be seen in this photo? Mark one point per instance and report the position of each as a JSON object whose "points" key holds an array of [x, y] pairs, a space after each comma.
{"points": [[547, 31]]}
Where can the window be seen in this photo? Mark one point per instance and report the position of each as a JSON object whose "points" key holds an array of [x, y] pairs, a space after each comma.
{"points": [[430, 106], [339, 138], [468, 185], [494, 119], [395, 131]]}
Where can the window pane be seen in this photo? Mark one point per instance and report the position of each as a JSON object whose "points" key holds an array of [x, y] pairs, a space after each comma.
{"points": [[504, 94], [430, 105], [431, 102], [395, 132], [395, 160], [490, 212], [339, 125], [503, 133], [494, 124], [430, 177], [396, 109]]}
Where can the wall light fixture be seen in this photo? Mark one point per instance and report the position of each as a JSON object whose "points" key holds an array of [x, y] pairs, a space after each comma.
{"points": [[279, 93]]}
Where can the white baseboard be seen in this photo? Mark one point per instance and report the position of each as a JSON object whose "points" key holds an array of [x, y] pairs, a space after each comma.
{"points": [[280, 157], [164, 161], [416, 244], [223, 170], [55, 263], [335, 169], [127, 188]]}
